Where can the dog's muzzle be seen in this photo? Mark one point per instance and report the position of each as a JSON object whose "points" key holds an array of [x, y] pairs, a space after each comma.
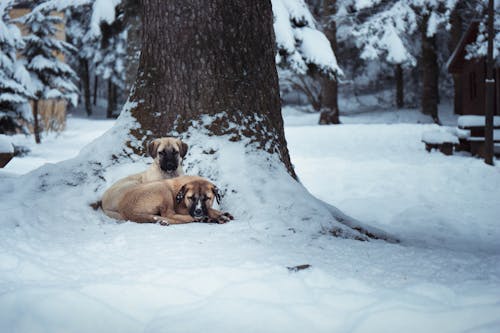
{"points": [[168, 164], [198, 210]]}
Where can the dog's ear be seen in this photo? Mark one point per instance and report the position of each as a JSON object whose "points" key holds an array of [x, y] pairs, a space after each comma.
{"points": [[183, 149], [180, 195], [215, 190], [153, 148]]}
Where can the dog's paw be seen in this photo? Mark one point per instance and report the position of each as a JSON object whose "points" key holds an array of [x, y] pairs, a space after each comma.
{"points": [[162, 221], [229, 216], [223, 218]]}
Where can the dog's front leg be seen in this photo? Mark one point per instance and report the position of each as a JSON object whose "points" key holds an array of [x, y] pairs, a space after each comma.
{"points": [[219, 217], [173, 218]]}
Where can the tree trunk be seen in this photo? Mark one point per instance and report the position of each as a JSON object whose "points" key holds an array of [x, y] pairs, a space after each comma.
{"points": [[430, 74], [399, 87], [213, 61], [96, 85], [455, 36], [330, 106], [84, 64], [111, 99], [36, 124]]}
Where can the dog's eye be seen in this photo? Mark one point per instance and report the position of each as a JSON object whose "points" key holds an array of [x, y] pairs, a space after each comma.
{"points": [[175, 152], [191, 198], [161, 152]]}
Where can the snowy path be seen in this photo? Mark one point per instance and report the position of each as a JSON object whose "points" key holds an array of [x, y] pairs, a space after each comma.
{"points": [[94, 275]]}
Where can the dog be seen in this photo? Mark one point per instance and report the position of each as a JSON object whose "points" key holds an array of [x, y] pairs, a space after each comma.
{"points": [[167, 154], [178, 200]]}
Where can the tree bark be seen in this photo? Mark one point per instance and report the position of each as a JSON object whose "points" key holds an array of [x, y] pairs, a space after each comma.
{"points": [[400, 97], [205, 58], [111, 99], [330, 106], [455, 36], [84, 64], [36, 124], [96, 85], [430, 74]]}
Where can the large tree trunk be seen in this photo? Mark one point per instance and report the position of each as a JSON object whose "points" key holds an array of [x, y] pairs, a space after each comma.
{"points": [[330, 106], [210, 58], [84, 64], [430, 74]]}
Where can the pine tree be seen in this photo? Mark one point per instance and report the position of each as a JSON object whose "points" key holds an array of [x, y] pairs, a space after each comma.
{"points": [[51, 77], [14, 94]]}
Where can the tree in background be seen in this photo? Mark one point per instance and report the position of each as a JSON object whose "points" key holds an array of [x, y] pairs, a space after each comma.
{"points": [[384, 35], [330, 90], [51, 78], [15, 113], [305, 51]]}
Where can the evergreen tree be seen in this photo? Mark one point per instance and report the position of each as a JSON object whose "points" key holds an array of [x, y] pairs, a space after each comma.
{"points": [[51, 77], [14, 94]]}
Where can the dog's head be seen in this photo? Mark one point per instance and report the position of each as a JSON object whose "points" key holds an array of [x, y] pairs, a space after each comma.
{"points": [[198, 196], [167, 152]]}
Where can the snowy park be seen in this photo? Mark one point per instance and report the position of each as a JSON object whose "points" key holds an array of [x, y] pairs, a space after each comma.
{"points": [[249, 166], [67, 268]]}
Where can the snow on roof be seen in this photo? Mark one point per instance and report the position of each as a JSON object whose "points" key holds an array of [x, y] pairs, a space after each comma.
{"points": [[475, 121], [5, 144], [438, 137]]}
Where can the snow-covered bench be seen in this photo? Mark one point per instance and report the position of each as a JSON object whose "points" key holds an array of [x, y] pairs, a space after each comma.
{"points": [[471, 133], [6, 150], [441, 140]]}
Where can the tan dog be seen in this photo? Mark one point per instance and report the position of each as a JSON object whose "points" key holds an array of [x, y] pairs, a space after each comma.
{"points": [[167, 154], [172, 201]]}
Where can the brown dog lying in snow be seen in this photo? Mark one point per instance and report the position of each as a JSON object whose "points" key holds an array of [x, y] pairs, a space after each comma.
{"points": [[178, 200]]}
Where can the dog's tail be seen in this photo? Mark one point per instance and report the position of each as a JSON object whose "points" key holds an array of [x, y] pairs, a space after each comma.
{"points": [[96, 205]]}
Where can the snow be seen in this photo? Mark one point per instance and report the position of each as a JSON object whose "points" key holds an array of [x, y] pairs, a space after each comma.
{"points": [[5, 144], [438, 137], [476, 121], [65, 267]]}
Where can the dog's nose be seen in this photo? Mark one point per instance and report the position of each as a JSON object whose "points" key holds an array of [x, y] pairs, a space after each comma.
{"points": [[198, 212]]}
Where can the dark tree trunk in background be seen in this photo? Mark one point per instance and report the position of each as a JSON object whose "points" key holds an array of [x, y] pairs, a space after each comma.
{"points": [[36, 124], [112, 99], [84, 64], [430, 74], [400, 97], [134, 25], [455, 36], [96, 85], [330, 106], [210, 58]]}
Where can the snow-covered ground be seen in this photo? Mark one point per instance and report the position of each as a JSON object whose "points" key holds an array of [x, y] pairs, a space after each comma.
{"points": [[90, 274]]}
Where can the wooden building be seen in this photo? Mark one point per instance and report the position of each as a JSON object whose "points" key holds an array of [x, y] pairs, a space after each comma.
{"points": [[470, 77]]}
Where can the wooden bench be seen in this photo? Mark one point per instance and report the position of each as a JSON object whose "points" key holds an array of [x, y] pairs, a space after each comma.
{"points": [[471, 133], [441, 140]]}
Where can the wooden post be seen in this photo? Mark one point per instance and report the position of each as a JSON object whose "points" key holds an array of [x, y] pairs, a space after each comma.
{"points": [[490, 93]]}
